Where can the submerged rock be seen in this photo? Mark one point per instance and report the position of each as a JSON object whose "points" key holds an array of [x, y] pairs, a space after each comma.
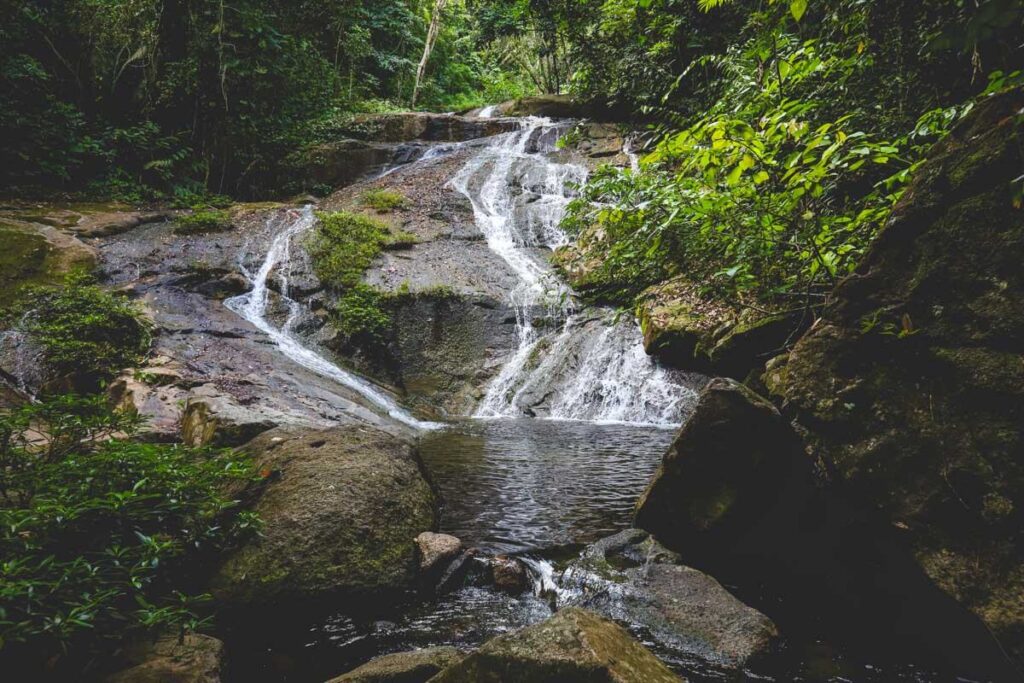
{"points": [[193, 658], [417, 666], [573, 646], [341, 509], [911, 387], [631, 578]]}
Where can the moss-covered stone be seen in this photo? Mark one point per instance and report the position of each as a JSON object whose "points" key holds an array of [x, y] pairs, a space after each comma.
{"points": [[911, 386], [341, 509], [416, 666], [574, 646], [37, 255]]}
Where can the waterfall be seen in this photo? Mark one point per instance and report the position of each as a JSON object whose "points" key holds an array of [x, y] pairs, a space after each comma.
{"points": [[254, 305], [487, 112], [568, 364]]}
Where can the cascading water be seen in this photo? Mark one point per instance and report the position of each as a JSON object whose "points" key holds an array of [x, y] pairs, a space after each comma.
{"points": [[567, 365], [254, 306]]}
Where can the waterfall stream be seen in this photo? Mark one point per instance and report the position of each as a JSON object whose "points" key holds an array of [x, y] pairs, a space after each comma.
{"points": [[568, 364], [254, 305]]}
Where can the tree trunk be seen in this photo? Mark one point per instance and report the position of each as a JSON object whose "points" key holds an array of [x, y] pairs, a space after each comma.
{"points": [[428, 45]]}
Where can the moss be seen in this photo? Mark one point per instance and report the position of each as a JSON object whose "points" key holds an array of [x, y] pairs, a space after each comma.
{"points": [[400, 239], [384, 201], [198, 222], [21, 260], [360, 312], [344, 245]]}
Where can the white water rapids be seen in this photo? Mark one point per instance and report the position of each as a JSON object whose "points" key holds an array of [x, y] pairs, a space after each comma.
{"points": [[568, 364], [253, 306], [579, 366]]}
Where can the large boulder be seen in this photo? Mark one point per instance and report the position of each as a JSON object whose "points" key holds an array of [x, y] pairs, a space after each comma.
{"points": [[416, 666], [738, 496], [573, 646], [728, 464], [911, 387], [341, 509], [192, 658], [631, 578]]}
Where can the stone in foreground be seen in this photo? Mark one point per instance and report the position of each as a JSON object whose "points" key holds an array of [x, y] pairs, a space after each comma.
{"points": [[341, 509], [194, 658], [632, 578], [436, 551], [417, 666], [574, 646]]}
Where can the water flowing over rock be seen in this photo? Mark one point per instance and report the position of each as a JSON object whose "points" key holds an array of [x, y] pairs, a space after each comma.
{"points": [[574, 646], [568, 364]]}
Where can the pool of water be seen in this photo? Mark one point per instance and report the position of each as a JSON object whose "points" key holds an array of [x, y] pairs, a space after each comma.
{"points": [[519, 486]]}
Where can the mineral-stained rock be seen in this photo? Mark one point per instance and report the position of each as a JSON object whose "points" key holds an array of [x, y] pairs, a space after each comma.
{"points": [[573, 646], [193, 658], [416, 666], [341, 509]]}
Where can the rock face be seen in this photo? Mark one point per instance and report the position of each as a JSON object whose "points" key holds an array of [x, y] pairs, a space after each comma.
{"points": [[911, 387], [574, 646], [631, 578], [728, 464], [213, 418], [194, 658], [341, 510], [417, 666]]}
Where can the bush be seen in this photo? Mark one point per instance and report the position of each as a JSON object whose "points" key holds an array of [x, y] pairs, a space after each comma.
{"points": [[206, 220], [84, 329], [384, 201], [344, 245], [96, 532], [360, 313]]}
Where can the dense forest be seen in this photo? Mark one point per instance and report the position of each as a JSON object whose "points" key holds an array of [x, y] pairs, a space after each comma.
{"points": [[762, 153]]}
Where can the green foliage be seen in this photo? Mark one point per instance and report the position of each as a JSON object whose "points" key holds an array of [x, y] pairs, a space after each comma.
{"points": [[205, 220], [85, 330], [765, 199], [384, 201], [343, 246], [360, 313], [97, 531]]}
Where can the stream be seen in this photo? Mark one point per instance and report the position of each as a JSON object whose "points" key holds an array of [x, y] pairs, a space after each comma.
{"points": [[564, 439]]}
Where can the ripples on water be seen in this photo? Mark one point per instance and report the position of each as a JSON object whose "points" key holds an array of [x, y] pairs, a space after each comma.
{"points": [[528, 485]]}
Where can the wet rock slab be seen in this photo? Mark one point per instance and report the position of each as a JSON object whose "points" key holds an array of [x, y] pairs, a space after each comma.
{"points": [[416, 666], [631, 578], [573, 646]]}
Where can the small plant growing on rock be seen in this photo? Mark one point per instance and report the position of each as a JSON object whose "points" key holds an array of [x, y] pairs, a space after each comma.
{"points": [[343, 245], [400, 239], [360, 313], [85, 330], [203, 221], [384, 201]]}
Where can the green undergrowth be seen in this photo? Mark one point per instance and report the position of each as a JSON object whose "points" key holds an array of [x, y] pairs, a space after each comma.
{"points": [[99, 532], [83, 329], [203, 221]]}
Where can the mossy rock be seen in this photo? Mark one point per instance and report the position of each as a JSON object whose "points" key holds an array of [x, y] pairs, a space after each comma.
{"points": [[574, 646], [415, 666], [38, 255], [341, 509]]}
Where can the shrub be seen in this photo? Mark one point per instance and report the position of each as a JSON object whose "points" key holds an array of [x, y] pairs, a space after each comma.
{"points": [[400, 239], [384, 201], [84, 329], [360, 313], [205, 220], [96, 532], [343, 245]]}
